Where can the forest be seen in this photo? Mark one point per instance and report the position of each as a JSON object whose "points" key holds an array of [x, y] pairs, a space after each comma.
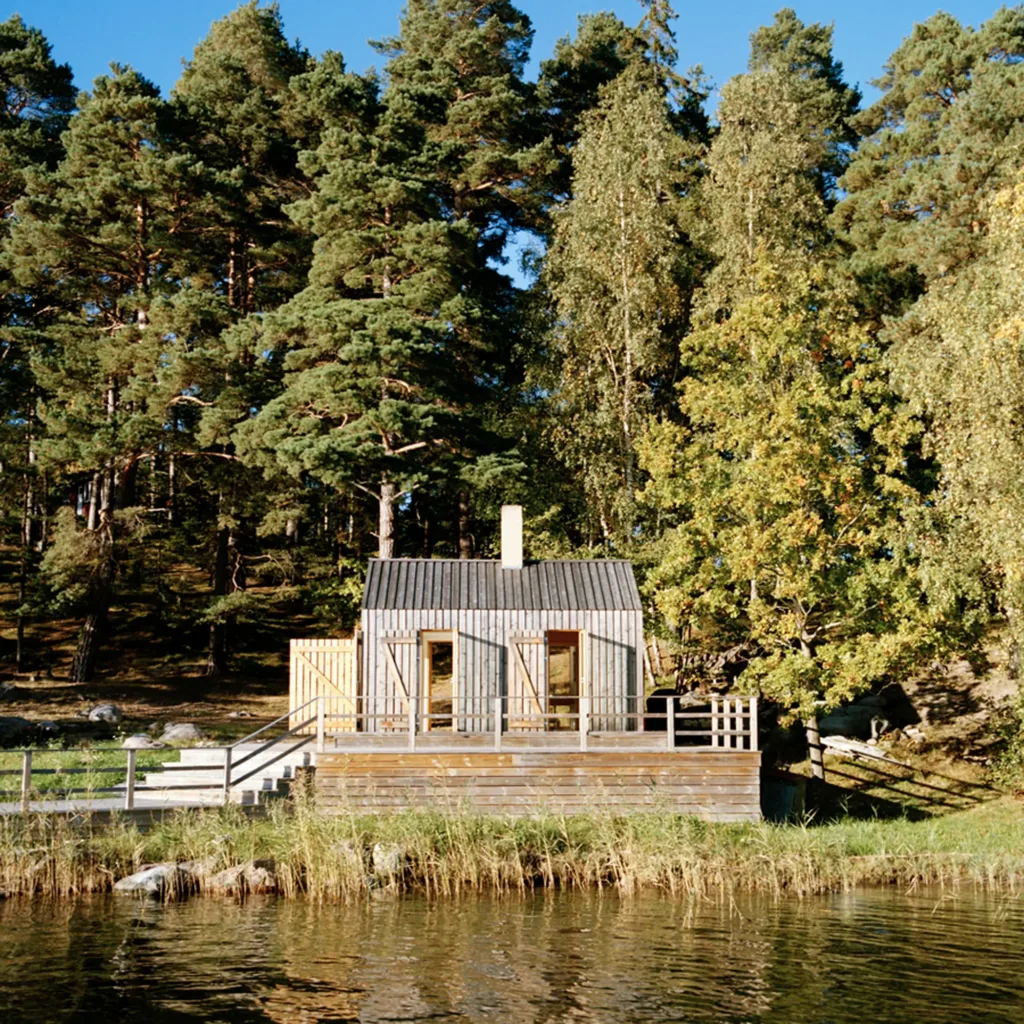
{"points": [[758, 337]]}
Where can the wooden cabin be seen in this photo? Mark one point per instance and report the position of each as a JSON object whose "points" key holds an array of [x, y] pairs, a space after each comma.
{"points": [[512, 686]]}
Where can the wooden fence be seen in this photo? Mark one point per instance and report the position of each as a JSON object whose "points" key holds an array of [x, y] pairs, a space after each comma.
{"points": [[328, 669]]}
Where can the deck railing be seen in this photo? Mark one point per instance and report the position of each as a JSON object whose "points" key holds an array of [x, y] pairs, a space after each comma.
{"points": [[723, 723]]}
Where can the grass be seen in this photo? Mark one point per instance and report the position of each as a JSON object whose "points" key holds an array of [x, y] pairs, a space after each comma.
{"points": [[447, 855], [74, 768]]}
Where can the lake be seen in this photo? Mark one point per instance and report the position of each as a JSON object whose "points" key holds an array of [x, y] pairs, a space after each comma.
{"points": [[862, 958]]}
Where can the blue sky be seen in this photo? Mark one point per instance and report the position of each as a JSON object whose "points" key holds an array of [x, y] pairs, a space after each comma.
{"points": [[154, 37]]}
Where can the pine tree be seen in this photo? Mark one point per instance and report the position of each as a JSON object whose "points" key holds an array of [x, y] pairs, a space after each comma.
{"points": [[36, 100], [944, 137], [365, 397], [98, 234], [235, 116]]}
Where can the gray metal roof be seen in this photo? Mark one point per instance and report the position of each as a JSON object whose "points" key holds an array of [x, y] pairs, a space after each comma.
{"points": [[592, 584]]}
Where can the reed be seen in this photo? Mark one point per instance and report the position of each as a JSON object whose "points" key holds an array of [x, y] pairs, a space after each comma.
{"points": [[446, 855]]}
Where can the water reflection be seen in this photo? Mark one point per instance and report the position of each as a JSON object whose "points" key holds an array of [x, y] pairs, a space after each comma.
{"points": [[865, 957]]}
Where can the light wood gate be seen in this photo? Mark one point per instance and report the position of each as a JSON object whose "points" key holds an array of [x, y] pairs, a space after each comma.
{"points": [[324, 668]]}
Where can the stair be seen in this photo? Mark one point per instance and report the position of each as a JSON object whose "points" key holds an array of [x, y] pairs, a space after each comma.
{"points": [[272, 780]]}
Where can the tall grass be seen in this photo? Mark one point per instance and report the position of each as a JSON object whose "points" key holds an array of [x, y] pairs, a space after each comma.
{"points": [[445, 855]]}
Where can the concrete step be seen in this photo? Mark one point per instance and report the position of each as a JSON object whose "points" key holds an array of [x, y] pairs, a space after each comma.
{"points": [[203, 767]]}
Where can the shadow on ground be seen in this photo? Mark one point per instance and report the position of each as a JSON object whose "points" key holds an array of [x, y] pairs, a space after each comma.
{"points": [[885, 790]]}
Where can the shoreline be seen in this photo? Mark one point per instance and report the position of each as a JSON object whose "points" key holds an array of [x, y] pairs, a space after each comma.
{"points": [[296, 853]]}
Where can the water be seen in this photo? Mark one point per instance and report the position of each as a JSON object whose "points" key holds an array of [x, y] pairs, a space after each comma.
{"points": [[867, 957]]}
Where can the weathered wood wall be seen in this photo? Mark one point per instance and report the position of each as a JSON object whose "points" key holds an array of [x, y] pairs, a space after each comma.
{"points": [[612, 655], [716, 785]]}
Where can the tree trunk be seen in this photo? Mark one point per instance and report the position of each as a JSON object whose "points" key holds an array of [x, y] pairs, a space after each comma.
{"points": [[386, 522], [19, 655], [465, 537], [217, 655], [94, 503], [814, 748], [101, 592], [171, 494]]}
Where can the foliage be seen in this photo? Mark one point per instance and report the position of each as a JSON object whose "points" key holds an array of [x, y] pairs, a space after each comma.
{"points": [[260, 329]]}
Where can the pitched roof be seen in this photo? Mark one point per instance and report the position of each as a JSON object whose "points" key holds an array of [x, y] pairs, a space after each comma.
{"points": [[592, 584]]}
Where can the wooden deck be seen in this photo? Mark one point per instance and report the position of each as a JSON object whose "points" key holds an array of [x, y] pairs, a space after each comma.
{"points": [[716, 784]]}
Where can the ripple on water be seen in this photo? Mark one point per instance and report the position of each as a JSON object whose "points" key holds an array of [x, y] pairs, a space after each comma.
{"points": [[864, 957]]}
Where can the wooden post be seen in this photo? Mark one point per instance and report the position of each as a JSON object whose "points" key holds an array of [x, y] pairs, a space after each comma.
{"points": [[814, 748], [129, 787], [497, 723], [716, 740], [411, 705], [26, 781], [320, 725], [753, 723], [584, 704], [670, 721], [227, 774]]}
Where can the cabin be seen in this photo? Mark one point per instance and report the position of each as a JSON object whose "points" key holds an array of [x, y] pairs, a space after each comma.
{"points": [[512, 686]]}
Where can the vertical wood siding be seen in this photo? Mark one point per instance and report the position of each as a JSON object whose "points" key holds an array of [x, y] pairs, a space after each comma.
{"points": [[611, 661]]}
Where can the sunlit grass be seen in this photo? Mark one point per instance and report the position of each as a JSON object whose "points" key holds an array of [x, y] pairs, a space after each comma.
{"points": [[60, 761]]}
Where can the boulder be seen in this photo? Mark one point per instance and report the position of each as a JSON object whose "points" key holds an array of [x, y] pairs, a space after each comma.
{"points": [[182, 732], [15, 731], [257, 876], [140, 741], [240, 714], [110, 713], [388, 859], [158, 881], [855, 720]]}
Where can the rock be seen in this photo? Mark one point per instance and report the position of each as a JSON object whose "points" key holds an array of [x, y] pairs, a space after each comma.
{"points": [[854, 720], [240, 714], [106, 713], [350, 854], [15, 731], [182, 732], [387, 860], [8, 691], [140, 741], [257, 876], [158, 881]]}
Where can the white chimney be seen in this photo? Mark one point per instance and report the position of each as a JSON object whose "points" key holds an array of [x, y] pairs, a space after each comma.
{"points": [[511, 536]]}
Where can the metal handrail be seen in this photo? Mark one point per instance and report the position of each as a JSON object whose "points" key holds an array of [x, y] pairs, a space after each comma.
{"points": [[276, 721]]}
